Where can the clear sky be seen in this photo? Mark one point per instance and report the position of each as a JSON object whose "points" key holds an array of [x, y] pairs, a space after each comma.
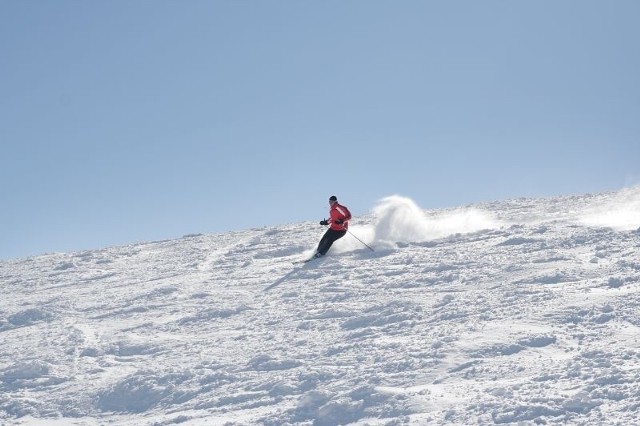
{"points": [[129, 121]]}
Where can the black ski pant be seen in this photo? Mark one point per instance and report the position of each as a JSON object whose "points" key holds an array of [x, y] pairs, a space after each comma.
{"points": [[328, 239]]}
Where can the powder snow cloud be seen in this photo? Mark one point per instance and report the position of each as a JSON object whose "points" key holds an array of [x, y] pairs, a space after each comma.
{"points": [[621, 212], [400, 219]]}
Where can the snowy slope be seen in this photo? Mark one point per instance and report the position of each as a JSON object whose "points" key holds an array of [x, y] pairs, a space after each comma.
{"points": [[524, 311]]}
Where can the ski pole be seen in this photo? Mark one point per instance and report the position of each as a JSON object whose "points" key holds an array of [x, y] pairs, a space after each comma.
{"points": [[360, 240]]}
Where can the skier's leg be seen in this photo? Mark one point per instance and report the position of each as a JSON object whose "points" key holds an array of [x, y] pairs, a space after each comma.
{"points": [[327, 241], [324, 243]]}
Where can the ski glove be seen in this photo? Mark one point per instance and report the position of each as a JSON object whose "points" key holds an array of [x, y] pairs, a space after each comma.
{"points": [[338, 221], [324, 222]]}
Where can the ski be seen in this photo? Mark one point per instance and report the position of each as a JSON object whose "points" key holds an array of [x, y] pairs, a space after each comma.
{"points": [[297, 262]]}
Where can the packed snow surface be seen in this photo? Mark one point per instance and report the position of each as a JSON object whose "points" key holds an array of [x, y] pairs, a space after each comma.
{"points": [[516, 312]]}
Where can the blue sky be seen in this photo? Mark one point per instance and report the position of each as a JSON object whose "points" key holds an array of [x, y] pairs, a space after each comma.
{"points": [[131, 121]]}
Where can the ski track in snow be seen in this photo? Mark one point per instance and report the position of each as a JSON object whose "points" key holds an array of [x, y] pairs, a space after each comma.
{"points": [[514, 312]]}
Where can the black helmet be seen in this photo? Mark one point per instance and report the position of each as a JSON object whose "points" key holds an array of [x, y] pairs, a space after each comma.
{"points": [[333, 198]]}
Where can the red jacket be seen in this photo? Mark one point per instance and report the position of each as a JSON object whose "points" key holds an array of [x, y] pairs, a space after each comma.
{"points": [[339, 212]]}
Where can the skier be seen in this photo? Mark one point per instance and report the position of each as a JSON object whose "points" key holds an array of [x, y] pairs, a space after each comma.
{"points": [[338, 224]]}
